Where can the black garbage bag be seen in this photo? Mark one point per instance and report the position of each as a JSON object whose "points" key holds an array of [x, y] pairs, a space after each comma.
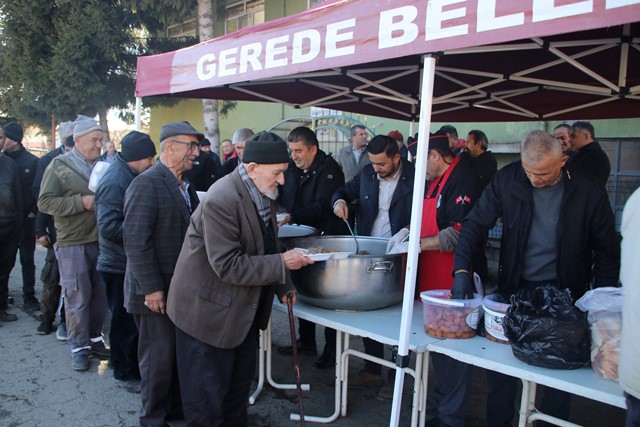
{"points": [[545, 329]]}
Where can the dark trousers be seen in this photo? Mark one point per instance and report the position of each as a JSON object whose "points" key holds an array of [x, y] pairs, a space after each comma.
{"points": [[633, 411], [123, 335], [215, 382], [51, 290], [307, 331], [27, 247], [159, 388], [448, 399], [373, 348], [501, 396], [8, 249]]}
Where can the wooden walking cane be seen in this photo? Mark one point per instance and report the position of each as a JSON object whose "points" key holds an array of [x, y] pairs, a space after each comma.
{"points": [[296, 362]]}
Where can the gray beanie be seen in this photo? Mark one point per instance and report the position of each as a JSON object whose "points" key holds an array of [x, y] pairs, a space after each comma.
{"points": [[85, 126]]}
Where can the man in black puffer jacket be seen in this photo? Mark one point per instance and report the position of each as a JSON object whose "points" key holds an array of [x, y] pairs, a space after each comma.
{"points": [[137, 155], [11, 217]]}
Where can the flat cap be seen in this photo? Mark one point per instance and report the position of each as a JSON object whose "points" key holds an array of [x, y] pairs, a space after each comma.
{"points": [[179, 128]]}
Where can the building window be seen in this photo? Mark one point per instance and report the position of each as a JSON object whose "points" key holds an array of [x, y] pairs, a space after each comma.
{"points": [[314, 3], [244, 14], [183, 29]]}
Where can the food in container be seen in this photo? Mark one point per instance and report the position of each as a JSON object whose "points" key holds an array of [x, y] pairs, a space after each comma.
{"points": [[494, 310], [445, 317]]}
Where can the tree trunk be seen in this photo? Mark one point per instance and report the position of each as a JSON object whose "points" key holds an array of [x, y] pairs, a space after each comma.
{"points": [[209, 106], [104, 124]]}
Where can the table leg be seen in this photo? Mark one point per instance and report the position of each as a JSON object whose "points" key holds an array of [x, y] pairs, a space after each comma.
{"points": [[423, 388], [344, 374], [527, 402], [261, 361], [337, 400]]}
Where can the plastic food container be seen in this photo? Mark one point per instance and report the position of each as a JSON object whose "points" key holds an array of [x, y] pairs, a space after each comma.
{"points": [[450, 318], [494, 312]]}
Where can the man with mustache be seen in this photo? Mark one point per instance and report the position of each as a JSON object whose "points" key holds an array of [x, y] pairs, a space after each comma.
{"points": [[65, 194], [157, 208], [229, 268]]}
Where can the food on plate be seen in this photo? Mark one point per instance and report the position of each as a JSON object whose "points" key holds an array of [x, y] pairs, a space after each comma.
{"points": [[320, 250]]}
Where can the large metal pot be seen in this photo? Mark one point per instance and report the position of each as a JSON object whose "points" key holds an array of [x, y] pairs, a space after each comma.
{"points": [[356, 283]]}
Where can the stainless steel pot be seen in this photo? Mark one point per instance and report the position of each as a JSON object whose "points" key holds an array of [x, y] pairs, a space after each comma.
{"points": [[356, 283]]}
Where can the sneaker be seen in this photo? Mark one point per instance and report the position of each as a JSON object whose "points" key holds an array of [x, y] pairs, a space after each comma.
{"points": [[61, 332], [386, 392], [365, 378], [132, 386], [7, 317], [302, 349], [45, 328], [30, 303], [100, 350], [80, 361]]}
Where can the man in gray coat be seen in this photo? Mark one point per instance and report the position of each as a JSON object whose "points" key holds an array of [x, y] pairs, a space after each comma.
{"points": [[353, 157], [222, 290], [157, 208]]}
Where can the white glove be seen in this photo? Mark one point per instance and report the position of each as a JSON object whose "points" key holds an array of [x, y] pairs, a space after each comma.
{"points": [[397, 238], [399, 248]]}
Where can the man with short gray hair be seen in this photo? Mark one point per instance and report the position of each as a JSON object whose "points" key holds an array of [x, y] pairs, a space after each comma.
{"points": [[65, 194], [557, 220], [240, 137]]}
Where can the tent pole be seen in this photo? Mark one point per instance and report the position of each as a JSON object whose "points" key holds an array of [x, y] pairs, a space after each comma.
{"points": [[138, 113], [426, 97]]}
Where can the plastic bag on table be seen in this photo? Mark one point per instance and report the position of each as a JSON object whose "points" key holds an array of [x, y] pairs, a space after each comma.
{"points": [[604, 307], [545, 329]]}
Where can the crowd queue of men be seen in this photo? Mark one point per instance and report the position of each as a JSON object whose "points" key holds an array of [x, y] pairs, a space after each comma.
{"points": [[190, 282]]}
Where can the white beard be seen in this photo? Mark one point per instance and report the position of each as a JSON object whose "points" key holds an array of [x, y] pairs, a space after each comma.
{"points": [[271, 194]]}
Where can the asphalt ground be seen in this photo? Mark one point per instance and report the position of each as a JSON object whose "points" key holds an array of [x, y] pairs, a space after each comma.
{"points": [[38, 387]]}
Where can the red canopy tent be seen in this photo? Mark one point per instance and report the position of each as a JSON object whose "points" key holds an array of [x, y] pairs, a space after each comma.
{"points": [[450, 60], [352, 56]]}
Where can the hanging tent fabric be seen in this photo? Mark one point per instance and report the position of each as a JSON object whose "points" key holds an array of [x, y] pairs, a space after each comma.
{"points": [[447, 60]]}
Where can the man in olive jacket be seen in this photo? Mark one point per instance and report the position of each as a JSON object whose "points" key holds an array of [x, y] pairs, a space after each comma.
{"points": [[222, 290]]}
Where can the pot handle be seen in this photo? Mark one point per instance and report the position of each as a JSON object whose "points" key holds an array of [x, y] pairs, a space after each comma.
{"points": [[384, 266]]}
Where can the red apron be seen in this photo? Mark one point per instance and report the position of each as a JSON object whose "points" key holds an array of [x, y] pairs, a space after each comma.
{"points": [[434, 267]]}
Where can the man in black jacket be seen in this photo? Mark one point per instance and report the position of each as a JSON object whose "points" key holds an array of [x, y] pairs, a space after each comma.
{"points": [[589, 156], [207, 170], [45, 231], [137, 155], [310, 181], [553, 222], [11, 218], [385, 190], [27, 166]]}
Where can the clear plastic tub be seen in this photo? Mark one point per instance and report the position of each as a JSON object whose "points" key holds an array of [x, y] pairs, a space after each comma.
{"points": [[494, 311], [450, 318]]}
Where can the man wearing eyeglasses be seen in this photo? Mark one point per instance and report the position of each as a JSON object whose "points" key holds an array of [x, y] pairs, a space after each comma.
{"points": [[157, 209]]}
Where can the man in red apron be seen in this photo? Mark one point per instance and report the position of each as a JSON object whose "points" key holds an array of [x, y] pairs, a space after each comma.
{"points": [[452, 189]]}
